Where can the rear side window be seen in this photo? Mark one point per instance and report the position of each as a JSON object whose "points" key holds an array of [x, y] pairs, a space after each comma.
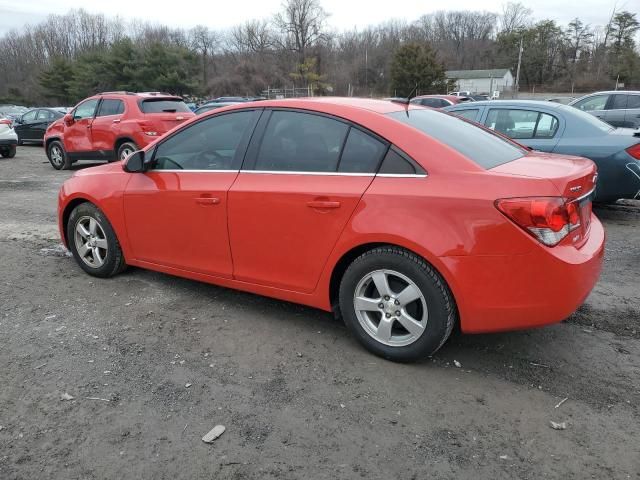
{"points": [[110, 107], [484, 148], [301, 142], [362, 153], [163, 105], [396, 163], [522, 124], [470, 114], [633, 101]]}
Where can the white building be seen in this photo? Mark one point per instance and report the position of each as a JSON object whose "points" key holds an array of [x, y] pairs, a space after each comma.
{"points": [[482, 81]]}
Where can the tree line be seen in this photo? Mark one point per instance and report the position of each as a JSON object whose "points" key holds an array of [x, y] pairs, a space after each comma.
{"points": [[68, 57]]}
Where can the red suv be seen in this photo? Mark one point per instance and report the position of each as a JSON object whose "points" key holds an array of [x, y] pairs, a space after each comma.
{"points": [[110, 126]]}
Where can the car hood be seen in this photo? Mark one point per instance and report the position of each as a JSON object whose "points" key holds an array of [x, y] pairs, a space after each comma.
{"points": [[114, 167]]}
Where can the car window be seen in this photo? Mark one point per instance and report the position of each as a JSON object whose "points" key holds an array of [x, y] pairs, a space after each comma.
{"points": [[470, 114], [85, 109], [596, 102], [396, 163], [29, 116], [160, 105], [618, 102], [484, 148], [633, 101], [301, 142], [44, 115], [522, 124], [431, 102], [362, 153], [110, 106], [211, 144]]}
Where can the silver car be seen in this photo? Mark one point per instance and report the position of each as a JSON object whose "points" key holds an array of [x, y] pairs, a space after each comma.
{"points": [[618, 108]]}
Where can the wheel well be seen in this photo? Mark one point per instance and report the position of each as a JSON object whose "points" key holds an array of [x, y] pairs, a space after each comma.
{"points": [[67, 213], [119, 143], [341, 267], [48, 142]]}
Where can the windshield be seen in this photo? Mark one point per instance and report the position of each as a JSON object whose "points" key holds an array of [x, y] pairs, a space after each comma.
{"points": [[163, 105], [484, 148]]}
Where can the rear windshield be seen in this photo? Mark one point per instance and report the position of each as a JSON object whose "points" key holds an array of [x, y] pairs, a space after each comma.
{"points": [[163, 105], [484, 148]]}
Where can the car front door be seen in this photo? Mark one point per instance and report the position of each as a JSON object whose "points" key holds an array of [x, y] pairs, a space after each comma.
{"points": [[77, 134], [303, 177], [106, 125], [176, 213], [535, 129], [594, 104], [616, 110], [24, 129]]}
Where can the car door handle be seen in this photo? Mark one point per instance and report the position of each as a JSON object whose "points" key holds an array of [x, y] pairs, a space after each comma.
{"points": [[117, 120], [323, 204], [207, 200]]}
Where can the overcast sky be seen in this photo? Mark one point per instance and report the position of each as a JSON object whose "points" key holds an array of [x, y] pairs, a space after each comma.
{"points": [[345, 14]]}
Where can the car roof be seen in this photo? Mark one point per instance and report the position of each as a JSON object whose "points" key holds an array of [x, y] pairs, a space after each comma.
{"points": [[373, 105], [447, 97]]}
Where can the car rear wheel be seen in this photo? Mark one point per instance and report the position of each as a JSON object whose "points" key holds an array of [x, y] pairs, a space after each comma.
{"points": [[10, 152], [57, 156], [93, 242], [126, 149], [396, 304]]}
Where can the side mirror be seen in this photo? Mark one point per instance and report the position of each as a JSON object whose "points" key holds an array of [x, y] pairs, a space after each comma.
{"points": [[135, 162], [68, 119]]}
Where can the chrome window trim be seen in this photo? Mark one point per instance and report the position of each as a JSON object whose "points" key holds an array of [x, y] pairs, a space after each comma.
{"points": [[403, 175], [291, 172], [174, 170]]}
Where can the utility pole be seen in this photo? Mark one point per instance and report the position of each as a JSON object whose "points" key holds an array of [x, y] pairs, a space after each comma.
{"points": [[518, 71]]}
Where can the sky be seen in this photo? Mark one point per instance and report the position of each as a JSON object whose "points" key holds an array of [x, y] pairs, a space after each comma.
{"points": [[345, 14]]}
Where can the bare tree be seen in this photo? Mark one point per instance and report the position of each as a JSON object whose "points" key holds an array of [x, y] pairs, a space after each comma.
{"points": [[514, 17], [302, 23], [204, 41]]}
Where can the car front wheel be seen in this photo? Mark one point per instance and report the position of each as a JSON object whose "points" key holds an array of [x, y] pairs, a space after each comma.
{"points": [[93, 242], [57, 156], [396, 304]]}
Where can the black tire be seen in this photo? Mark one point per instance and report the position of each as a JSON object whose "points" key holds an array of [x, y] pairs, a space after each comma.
{"points": [[113, 260], [442, 313], [10, 153], [58, 156], [129, 147]]}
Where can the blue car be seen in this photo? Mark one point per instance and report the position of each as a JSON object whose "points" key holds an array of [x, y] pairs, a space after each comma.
{"points": [[556, 128]]}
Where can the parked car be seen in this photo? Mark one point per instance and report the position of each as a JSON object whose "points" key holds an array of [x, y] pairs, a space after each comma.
{"points": [[8, 138], [213, 106], [439, 101], [404, 219], [112, 125], [31, 126], [479, 98], [562, 100], [464, 93], [556, 128], [618, 108], [12, 112]]}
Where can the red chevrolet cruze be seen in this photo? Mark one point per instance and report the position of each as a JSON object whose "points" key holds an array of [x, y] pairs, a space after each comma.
{"points": [[403, 219]]}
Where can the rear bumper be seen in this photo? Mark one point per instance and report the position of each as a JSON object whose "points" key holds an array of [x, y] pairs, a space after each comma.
{"points": [[7, 142], [523, 291]]}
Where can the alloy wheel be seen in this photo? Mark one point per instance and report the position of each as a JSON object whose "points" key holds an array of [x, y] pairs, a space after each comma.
{"points": [[56, 155], [390, 308], [91, 242]]}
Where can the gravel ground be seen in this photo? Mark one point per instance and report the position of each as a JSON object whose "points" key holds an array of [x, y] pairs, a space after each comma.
{"points": [[154, 362]]}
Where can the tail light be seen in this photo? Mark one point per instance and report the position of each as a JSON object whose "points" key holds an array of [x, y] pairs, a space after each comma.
{"points": [[5, 121], [634, 151], [548, 219]]}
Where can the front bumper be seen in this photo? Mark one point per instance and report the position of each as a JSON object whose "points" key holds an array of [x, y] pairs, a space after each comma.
{"points": [[524, 291]]}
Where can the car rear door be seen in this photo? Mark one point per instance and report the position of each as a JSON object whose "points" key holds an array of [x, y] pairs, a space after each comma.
{"points": [[106, 125], [24, 129], [536, 129], [303, 177], [43, 120], [616, 110], [176, 213], [77, 135]]}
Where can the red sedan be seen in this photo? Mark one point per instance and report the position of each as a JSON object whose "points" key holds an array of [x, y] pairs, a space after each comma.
{"points": [[405, 220]]}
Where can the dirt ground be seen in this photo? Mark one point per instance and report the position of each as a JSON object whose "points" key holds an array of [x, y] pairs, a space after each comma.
{"points": [[154, 362]]}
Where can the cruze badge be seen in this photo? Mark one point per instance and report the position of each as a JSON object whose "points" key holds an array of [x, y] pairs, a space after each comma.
{"points": [[576, 189]]}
